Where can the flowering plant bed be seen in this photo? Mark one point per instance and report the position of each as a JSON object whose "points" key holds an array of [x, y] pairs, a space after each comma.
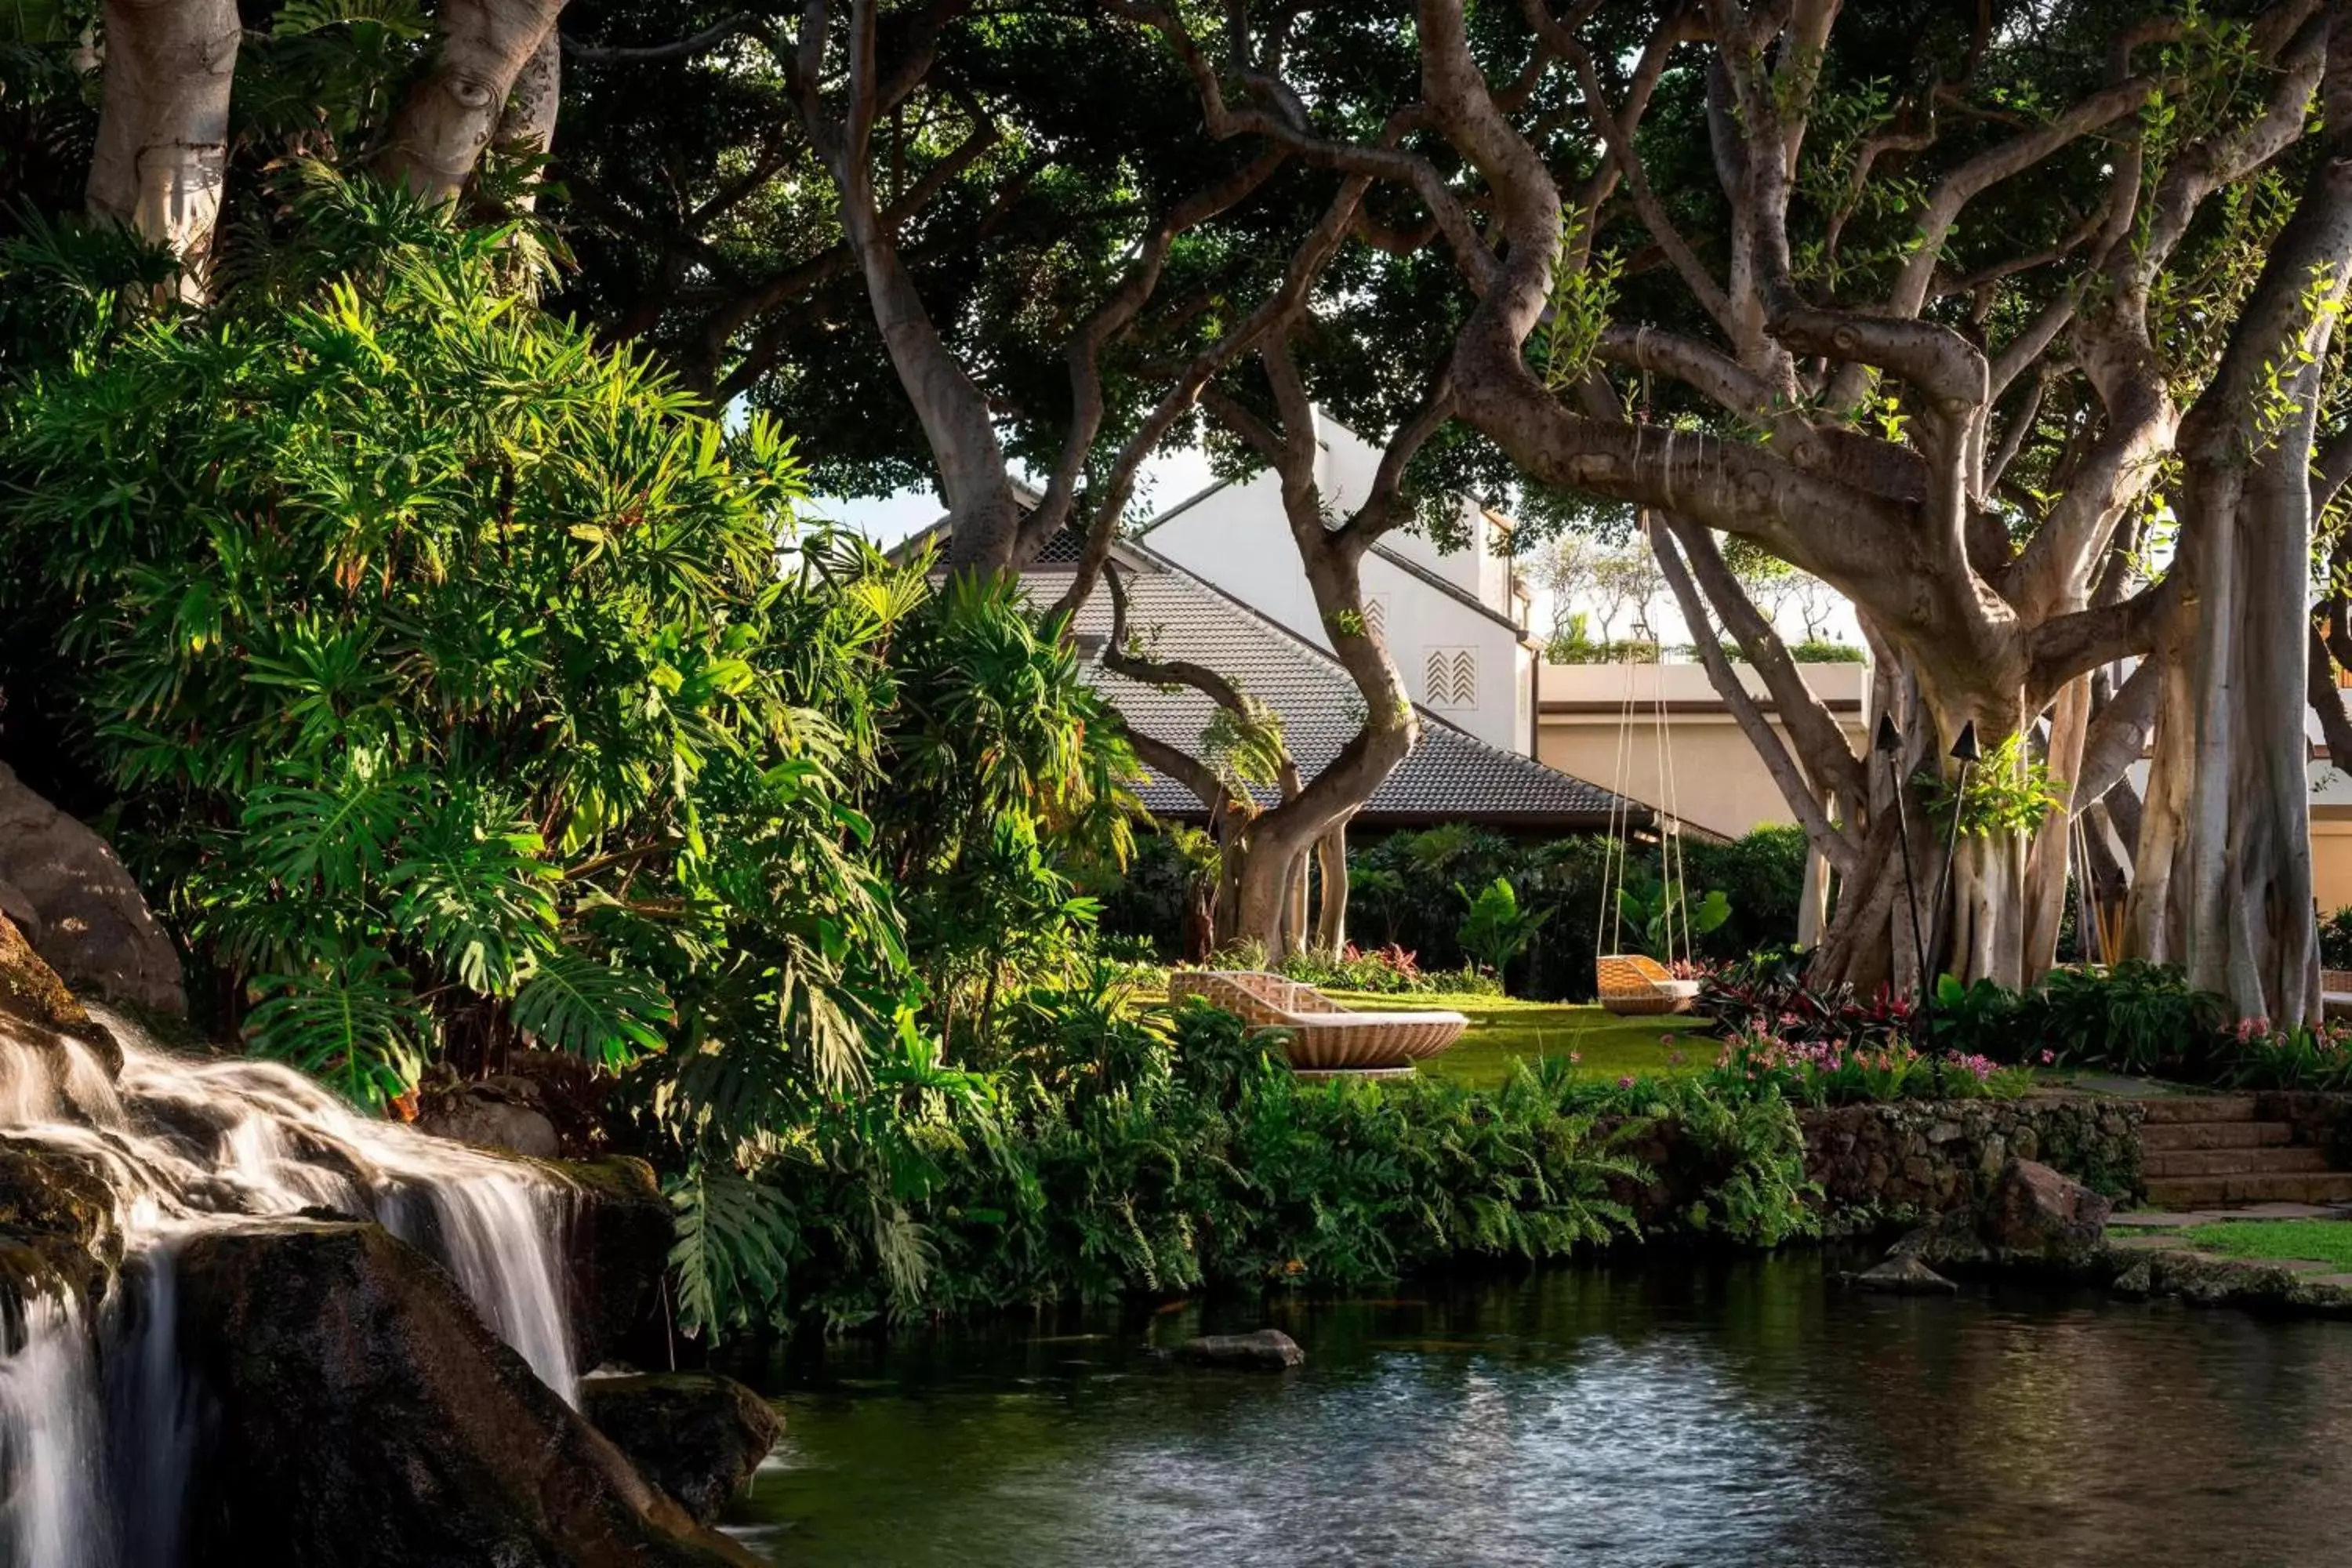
{"points": [[1829, 1072]]}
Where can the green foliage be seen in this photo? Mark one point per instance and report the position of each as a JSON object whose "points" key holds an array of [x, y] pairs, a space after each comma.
{"points": [[1387, 970], [1008, 785], [2135, 1016], [1817, 1072], [1495, 929], [1562, 346], [441, 663], [1120, 1152], [726, 1257], [1658, 910], [2009, 790], [1401, 893], [2336, 939]]}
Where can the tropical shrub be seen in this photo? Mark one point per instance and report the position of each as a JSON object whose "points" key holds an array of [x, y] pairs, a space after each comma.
{"points": [[1768, 996], [1401, 891], [2134, 1017], [442, 666], [1122, 1151], [1495, 929], [1663, 914], [1388, 971]]}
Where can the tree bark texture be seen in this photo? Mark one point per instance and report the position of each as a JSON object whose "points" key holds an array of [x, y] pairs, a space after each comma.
{"points": [[480, 47], [163, 127]]}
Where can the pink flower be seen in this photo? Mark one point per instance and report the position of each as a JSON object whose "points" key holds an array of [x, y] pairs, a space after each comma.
{"points": [[1576, 1056], [1625, 1082], [2048, 1058]]}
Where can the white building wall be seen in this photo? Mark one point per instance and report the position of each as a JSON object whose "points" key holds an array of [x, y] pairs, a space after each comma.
{"points": [[1472, 668]]}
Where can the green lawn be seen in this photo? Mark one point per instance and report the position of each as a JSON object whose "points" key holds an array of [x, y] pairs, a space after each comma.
{"points": [[1501, 1028], [2322, 1240]]}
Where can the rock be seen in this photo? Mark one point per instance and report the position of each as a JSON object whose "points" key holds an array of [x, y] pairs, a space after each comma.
{"points": [[697, 1437], [2137, 1281], [1949, 1241], [482, 1115], [361, 1414], [2034, 1215], [60, 1227], [1903, 1276], [32, 995], [91, 924], [1268, 1350], [618, 1247]]}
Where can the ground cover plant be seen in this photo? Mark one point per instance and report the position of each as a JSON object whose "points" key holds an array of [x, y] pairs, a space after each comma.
{"points": [[1150, 1153]]}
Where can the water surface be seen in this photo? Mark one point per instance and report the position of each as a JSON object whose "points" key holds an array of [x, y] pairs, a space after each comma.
{"points": [[1748, 1412]]}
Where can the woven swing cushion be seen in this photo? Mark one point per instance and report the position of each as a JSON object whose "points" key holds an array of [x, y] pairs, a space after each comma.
{"points": [[2335, 992], [1632, 983], [1321, 1036]]}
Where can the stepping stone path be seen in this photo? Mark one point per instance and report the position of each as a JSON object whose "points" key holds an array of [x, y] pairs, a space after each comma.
{"points": [[2200, 1153]]}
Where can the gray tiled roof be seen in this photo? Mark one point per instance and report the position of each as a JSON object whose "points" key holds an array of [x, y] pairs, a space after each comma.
{"points": [[1451, 775]]}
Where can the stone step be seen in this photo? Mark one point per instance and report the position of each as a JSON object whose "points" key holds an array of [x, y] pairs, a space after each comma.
{"points": [[2165, 1136], [2201, 1192], [2241, 1162], [2200, 1108]]}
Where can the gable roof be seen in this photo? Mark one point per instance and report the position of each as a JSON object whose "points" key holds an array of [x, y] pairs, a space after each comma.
{"points": [[1451, 776]]}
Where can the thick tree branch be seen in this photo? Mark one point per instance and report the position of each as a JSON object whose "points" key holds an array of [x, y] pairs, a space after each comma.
{"points": [[1795, 789]]}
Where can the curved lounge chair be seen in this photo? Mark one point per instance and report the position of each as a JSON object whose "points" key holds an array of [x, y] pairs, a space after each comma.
{"points": [[1323, 1036], [1634, 985]]}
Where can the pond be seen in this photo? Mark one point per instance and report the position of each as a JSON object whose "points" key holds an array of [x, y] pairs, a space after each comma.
{"points": [[1725, 1412]]}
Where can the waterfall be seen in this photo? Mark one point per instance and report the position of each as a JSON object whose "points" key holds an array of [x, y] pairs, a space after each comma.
{"points": [[188, 1145], [53, 1449]]}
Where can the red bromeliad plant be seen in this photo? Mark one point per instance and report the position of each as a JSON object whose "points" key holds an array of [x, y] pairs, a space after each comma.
{"points": [[1769, 997]]}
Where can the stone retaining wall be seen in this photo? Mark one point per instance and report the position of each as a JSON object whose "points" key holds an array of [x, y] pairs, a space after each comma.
{"points": [[1916, 1157]]}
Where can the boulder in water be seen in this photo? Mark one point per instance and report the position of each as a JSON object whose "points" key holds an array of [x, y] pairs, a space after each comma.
{"points": [[1267, 1350], [1903, 1275], [363, 1416], [697, 1435], [2034, 1215], [90, 922]]}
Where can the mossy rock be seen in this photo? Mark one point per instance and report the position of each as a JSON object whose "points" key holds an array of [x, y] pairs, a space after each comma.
{"points": [[58, 1229], [30, 991]]}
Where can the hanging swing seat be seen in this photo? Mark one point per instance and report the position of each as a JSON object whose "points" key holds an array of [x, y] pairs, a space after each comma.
{"points": [[1321, 1036], [2335, 992], [1632, 984]]}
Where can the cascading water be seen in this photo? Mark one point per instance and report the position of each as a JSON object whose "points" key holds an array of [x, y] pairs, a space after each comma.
{"points": [[97, 1431]]}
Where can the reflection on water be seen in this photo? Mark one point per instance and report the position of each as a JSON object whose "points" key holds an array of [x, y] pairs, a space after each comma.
{"points": [[1728, 1413]]}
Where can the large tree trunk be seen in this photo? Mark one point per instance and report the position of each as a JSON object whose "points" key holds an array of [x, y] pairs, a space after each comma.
{"points": [[1331, 911], [2228, 827], [527, 128], [162, 127], [480, 49], [2049, 860]]}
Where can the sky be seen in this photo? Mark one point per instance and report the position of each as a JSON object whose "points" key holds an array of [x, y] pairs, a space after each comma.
{"points": [[1163, 481]]}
